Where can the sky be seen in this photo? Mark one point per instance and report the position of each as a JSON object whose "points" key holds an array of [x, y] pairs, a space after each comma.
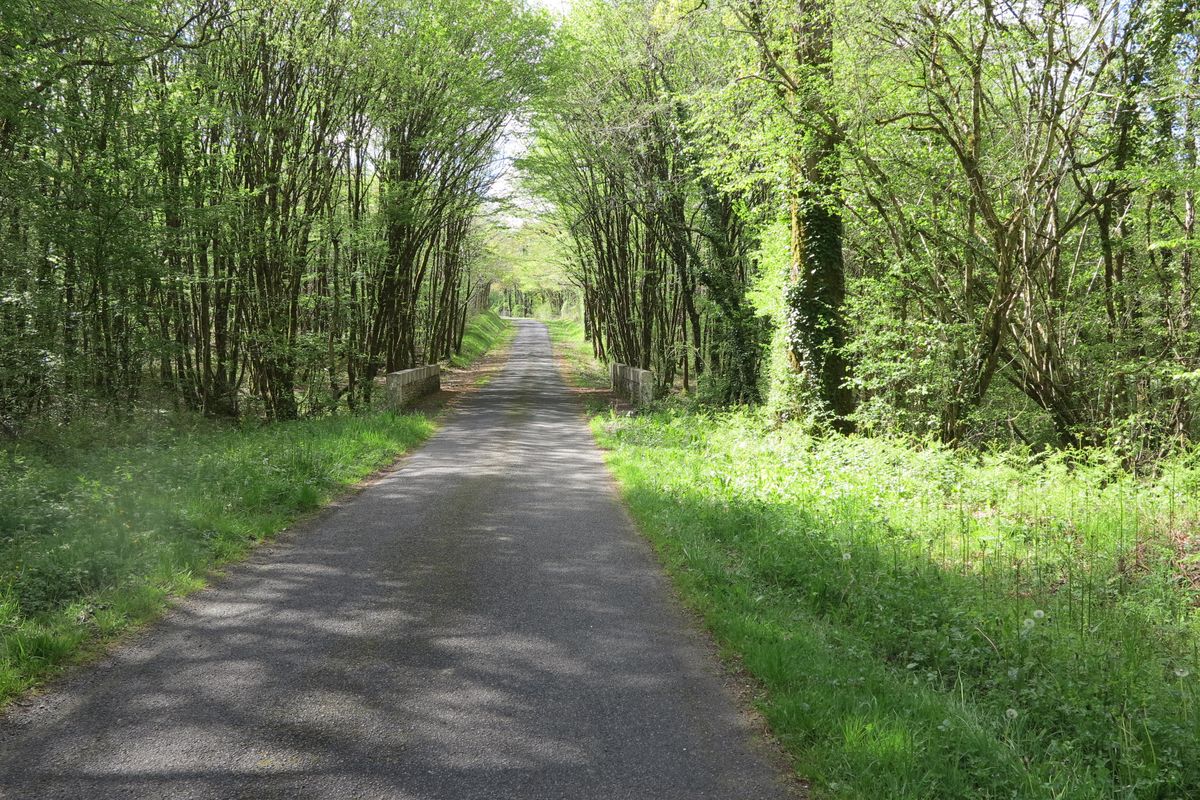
{"points": [[557, 6]]}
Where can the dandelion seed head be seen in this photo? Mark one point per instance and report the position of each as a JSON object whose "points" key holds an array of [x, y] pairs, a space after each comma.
{"points": [[845, 556], [1039, 614], [1182, 672], [1028, 623], [1011, 713], [1013, 672]]}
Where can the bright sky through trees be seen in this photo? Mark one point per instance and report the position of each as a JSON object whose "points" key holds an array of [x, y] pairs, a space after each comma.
{"points": [[558, 7]]}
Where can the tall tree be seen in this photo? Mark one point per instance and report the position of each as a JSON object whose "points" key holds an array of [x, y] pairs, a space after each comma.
{"points": [[795, 46]]}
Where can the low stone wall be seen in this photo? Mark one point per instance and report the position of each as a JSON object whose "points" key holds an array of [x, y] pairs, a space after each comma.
{"points": [[407, 385], [635, 385]]}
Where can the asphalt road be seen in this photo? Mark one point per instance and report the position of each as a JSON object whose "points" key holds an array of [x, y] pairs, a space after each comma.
{"points": [[483, 622]]}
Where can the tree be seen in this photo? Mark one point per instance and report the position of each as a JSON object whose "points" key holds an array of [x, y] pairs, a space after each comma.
{"points": [[795, 47]]}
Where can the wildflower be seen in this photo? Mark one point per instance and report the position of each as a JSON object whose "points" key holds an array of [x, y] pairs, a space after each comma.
{"points": [[1039, 614], [1028, 623], [1011, 713], [1181, 672], [845, 556]]}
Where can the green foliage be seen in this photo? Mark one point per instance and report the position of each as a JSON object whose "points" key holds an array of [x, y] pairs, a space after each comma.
{"points": [[531, 276], [1018, 262], [101, 522], [657, 250], [252, 206], [785, 391], [926, 623]]}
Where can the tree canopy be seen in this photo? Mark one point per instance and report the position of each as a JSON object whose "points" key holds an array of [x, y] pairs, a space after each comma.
{"points": [[244, 205], [969, 220]]}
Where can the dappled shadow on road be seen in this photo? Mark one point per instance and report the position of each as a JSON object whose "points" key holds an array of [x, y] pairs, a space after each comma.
{"points": [[479, 624]]}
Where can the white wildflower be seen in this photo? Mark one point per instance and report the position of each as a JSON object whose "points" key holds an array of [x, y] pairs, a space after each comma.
{"points": [[1011, 713]]}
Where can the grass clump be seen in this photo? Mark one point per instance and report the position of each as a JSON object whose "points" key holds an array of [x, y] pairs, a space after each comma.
{"points": [[929, 623], [100, 523]]}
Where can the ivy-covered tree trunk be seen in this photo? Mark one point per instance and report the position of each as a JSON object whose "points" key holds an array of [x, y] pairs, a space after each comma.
{"points": [[816, 289], [816, 293], [742, 330]]}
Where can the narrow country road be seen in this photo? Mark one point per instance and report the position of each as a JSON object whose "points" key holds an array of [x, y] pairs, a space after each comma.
{"points": [[483, 622]]}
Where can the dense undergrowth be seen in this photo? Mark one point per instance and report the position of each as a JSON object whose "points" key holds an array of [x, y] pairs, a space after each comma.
{"points": [[933, 623], [101, 522]]}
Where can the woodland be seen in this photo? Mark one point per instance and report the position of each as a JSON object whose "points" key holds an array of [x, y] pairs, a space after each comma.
{"points": [[971, 221], [244, 208]]}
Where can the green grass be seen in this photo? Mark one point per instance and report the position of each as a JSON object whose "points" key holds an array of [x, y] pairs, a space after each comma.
{"points": [[582, 369], [102, 523], [483, 332], [931, 623]]}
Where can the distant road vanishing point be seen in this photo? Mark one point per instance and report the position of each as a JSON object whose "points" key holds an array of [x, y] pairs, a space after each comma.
{"points": [[481, 623]]}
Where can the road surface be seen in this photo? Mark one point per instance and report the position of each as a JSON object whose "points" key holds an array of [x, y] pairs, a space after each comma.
{"points": [[482, 622]]}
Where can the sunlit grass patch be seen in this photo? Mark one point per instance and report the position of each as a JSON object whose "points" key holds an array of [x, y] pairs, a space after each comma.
{"points": [[930, 623], [569, 344], [483, 332]]}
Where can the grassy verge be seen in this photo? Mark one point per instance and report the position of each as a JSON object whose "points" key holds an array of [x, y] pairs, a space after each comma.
{"points": [[483, 332], [575, 354], [101, 523], [927, 623]]}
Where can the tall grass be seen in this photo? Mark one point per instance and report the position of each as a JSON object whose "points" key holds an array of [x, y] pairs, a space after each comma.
{"points": [[928, 623], [582, 368]]}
